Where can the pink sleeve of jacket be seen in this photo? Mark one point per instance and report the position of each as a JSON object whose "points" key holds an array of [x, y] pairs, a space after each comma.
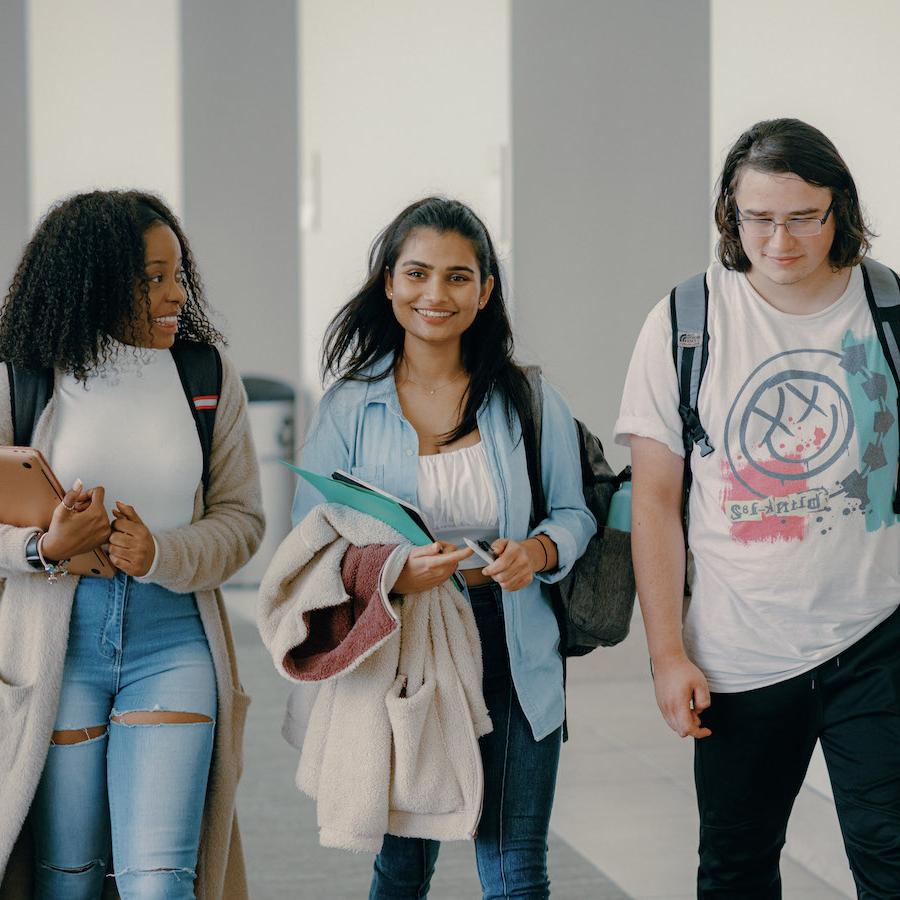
{"points": [[343, 634]]}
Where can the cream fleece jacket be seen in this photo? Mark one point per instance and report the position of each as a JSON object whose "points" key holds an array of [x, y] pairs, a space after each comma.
{"points": [[34, 632], [392, 742]]}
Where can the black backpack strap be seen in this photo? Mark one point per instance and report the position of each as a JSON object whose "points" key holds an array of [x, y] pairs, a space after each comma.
{"points": [[30, 391], [883, 294], [200, 370], [531, 437], [688, 308]]}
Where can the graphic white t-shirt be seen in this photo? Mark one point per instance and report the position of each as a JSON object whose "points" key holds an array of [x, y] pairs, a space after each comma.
{"points": [[791, 517]]}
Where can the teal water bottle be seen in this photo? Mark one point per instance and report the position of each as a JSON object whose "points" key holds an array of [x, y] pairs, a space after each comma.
{"points": [[619, 516]]}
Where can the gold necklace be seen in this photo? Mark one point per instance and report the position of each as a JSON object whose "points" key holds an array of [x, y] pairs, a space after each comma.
{"points": [[432, 391]]}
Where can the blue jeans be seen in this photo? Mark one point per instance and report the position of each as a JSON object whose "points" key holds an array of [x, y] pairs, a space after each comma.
{"points": [[137, 790], [519, 782]]}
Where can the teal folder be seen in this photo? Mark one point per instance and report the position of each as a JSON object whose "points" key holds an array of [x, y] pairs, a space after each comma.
{"points": [[375, 503]]}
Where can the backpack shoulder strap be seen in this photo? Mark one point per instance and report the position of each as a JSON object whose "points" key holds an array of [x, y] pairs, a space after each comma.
{"points": [[531, 437], [688, 308], [883, 295], [200, 370], [29, 393]]}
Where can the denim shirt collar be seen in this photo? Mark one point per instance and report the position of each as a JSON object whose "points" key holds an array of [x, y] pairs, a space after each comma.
{"points": [[385, 389]]}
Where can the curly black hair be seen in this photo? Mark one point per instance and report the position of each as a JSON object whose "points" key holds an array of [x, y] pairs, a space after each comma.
{"points": [[73, 292]]}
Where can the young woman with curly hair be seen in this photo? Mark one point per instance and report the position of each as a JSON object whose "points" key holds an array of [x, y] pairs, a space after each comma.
{"points": [[122, 711]]}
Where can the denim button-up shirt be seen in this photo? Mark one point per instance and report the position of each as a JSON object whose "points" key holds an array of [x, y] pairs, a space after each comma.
{"points": [[359, 427]]}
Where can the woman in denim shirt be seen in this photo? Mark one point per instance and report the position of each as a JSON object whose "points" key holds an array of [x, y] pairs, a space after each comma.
{"points": [[427, 406]]}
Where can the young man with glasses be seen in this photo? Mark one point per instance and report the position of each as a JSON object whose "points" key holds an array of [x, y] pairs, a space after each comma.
{"points": [[791, 634]]}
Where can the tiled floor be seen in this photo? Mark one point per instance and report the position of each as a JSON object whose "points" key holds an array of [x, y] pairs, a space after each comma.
{"points": [[625, 820]]}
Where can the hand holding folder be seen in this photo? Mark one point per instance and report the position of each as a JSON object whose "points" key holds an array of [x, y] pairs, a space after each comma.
{"points": [[403, 517]]}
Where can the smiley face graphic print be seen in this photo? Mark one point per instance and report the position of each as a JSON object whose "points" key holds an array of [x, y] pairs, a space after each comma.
{"points": [[788, 471]]}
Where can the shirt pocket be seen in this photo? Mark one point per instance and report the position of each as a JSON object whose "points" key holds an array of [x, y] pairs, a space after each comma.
{"points": [[373, 475], [388, 477]]}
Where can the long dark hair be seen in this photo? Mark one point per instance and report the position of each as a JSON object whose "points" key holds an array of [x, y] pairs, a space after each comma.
{"points": [[73, 292], [365, 331], [779, 146]]}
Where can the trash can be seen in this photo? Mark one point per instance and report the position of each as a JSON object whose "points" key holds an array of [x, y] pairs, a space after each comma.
{"points": [[271, 413]]}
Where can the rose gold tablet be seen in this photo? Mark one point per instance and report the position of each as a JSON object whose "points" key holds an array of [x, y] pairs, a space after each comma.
{"points": [[29, 492]]}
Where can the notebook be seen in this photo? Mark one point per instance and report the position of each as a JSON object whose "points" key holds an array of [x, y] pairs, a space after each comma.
{"points": [[403, 517]]}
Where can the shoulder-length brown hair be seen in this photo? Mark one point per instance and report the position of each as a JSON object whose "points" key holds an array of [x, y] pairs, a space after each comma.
{"points": [[789, 145]]}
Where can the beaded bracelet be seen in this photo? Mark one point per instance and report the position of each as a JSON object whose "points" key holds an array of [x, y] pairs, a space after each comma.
{"points": [[54, 570]]}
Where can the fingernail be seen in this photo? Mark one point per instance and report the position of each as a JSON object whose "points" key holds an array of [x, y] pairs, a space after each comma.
{"points": [[78, 485]]}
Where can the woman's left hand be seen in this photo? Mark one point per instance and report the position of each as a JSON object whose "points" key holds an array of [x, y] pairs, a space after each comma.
{"points": [[131, 546], [515, 565]]}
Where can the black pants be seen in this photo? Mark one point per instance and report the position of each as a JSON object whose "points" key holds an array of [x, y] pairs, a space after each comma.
{"points": [[749, 771]]}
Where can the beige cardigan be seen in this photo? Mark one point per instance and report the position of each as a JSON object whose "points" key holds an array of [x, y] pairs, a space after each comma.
{"points": [[34, 632]]}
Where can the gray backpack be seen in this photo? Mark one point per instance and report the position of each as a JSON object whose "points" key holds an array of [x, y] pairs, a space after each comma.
{"points": [[594, 602]]}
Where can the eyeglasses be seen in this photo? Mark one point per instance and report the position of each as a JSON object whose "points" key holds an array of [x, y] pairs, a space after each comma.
{"points": [[796, 227]]}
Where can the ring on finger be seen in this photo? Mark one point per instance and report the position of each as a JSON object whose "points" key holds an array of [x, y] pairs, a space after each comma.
{"points": [[69, 508]]}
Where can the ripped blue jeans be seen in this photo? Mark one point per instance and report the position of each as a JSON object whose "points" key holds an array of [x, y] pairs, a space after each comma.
{"points": [[128, 801]]}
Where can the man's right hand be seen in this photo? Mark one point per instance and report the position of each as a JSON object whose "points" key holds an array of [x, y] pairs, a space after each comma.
{"points": [[79, 524], [682, 693]]}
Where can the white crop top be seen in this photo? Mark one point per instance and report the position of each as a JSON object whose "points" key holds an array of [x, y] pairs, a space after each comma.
{"points": [[457, 497]]}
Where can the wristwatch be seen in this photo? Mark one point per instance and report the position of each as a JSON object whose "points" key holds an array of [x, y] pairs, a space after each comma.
{"points": [[32, 556]]}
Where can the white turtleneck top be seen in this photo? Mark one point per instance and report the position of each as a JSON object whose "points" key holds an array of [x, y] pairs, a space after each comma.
{"points": [[129, 428]]}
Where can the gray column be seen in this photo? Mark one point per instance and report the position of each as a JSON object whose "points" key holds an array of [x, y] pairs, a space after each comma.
{"points": [[13, 138], [611, 184], [241, 171]]}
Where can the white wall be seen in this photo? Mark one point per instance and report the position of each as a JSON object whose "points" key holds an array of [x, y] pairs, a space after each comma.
{"points": [[831, 63], [104, 98], [397, 100]]}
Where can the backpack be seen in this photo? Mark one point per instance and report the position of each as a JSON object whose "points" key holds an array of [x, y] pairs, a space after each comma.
{"points": [[594, 602], [199, 368], [689, 307]]}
